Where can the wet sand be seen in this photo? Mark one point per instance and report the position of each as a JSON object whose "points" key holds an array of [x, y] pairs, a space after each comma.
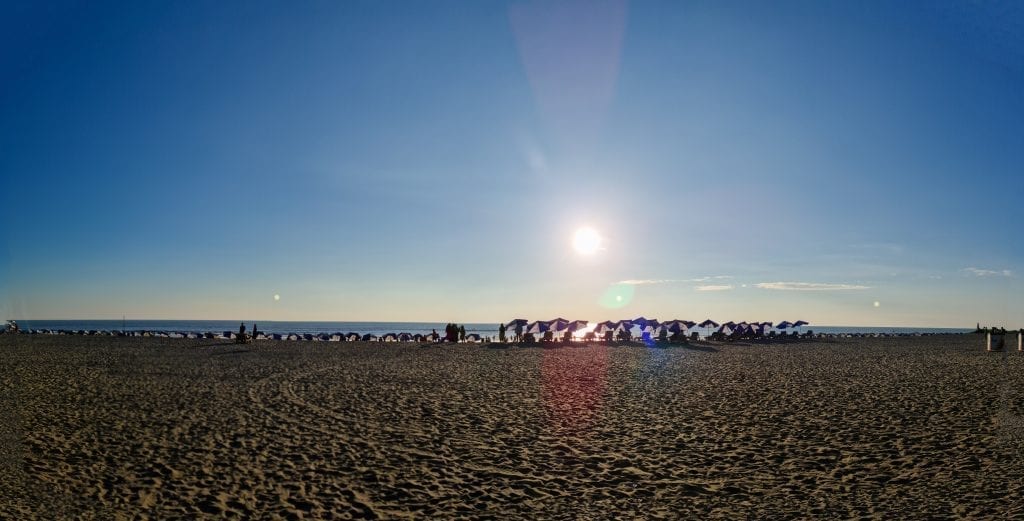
{"points": [[100, 427]]}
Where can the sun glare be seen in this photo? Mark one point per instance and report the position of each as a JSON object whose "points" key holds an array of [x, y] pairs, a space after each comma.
{"points": [[586, 241]]}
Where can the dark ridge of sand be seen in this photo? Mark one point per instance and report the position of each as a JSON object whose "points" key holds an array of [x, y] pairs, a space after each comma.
{"points": [[893, 428]]}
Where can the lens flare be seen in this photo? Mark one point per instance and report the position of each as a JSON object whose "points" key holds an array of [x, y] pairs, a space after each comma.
{"points": [[617, 296]]}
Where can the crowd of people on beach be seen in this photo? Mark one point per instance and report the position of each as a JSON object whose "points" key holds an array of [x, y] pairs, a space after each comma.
{"points": [[454, 333]]}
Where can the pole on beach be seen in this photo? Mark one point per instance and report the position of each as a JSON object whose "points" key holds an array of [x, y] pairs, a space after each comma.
{"points": [[988, 341], [1020, 340]]}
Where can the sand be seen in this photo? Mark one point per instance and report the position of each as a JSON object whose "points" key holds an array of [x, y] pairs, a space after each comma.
{"points": [[898, 428]]}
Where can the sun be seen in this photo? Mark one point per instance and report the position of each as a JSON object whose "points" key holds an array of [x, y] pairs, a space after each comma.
{"points": [[586, 241]]}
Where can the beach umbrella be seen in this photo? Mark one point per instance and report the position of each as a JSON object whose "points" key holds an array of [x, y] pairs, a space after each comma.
{"points": [[537, 327], [601, 327], [472, 337], [405, 337], [784, 324], [518, 321], [558, 324], [676, 326], [640, 322], [799, 323], [352, 337], [577, 325], [707, 325], [390, 337], [624, 325]]}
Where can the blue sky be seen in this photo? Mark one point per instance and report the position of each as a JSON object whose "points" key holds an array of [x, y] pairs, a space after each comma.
{"points": [[432, 160]]}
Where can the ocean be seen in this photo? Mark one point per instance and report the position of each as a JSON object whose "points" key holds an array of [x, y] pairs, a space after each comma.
{"points": [[374, 328]]}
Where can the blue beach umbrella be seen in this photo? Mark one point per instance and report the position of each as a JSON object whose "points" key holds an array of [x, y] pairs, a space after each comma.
{"points": [[784, 324], [537, 327], [518, 321], [676, 326], [601, 327], [558, 324], [707, 325], [799, 323], [577, 325]]}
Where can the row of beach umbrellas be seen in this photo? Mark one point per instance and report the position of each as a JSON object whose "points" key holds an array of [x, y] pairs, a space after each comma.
{"points": [[647, 324]]}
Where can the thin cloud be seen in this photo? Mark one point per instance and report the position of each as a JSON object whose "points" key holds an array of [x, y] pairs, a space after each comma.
{"points": [[637, 282], [809, 286], [978, 272], [715, 287]]}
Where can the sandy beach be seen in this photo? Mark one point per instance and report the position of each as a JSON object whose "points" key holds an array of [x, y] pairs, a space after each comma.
{"points": [[893, 428]]}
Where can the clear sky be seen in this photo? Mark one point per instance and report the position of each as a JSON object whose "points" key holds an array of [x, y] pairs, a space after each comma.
{"points": [[846, 163]]}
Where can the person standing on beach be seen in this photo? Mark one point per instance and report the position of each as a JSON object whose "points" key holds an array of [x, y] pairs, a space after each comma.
{"points": [[519, 332], [254, 330], [462, 333], [501, 333]]}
